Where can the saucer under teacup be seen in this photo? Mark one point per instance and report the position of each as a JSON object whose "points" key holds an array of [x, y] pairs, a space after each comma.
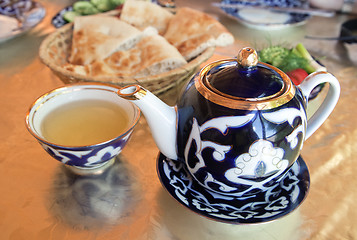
{"points": [[278, 200]]}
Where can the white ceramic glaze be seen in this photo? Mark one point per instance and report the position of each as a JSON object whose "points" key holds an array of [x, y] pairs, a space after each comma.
{"points": [[160, 117], [91, 157], [312, 81]]}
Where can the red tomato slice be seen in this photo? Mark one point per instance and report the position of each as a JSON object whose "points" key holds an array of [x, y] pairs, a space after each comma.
{"points": [[297, 75]]}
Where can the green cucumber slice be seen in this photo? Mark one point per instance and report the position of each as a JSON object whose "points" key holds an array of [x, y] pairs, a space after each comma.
{"points": [[70, 15], [103, 5], [85, 8]]}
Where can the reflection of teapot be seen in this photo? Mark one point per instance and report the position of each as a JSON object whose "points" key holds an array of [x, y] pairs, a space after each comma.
{"points": [[239, 123]]}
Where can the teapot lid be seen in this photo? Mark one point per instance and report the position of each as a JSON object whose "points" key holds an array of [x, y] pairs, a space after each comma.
{"points": [[244, 83]]}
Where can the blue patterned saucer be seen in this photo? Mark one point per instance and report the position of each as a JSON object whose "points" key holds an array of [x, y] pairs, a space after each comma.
{"points": [[279, 200]]}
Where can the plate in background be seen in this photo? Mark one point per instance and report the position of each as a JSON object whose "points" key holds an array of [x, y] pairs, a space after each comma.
{"points": [[263, 19], [16, 19]]}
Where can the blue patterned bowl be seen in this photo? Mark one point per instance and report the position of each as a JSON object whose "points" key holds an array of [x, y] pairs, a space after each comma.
{"points": [[293, 19], [81, 157]]}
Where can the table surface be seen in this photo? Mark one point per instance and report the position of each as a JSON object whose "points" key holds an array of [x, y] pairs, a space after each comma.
{"points": [[40, 199]]}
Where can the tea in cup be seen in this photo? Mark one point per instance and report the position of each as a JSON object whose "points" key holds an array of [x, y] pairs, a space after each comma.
{"points": [[83, 125]]}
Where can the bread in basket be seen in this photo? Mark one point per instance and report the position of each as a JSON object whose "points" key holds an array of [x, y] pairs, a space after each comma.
{"points": [[55, 50]]}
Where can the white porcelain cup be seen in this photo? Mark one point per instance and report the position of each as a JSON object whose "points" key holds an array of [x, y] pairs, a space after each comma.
{"points": [[89, 157]]}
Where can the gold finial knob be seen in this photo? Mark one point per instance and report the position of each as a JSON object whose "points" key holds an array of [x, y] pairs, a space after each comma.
{"points": [[247, 57]]}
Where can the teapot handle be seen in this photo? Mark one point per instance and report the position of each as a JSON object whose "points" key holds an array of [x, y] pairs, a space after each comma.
{"points": [[329, 103]]}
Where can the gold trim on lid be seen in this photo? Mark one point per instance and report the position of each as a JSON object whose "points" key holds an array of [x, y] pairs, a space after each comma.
{"points": [[207, 91]]}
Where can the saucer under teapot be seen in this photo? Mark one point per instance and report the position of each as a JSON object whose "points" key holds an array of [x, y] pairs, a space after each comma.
{"points": [[276, 201]]}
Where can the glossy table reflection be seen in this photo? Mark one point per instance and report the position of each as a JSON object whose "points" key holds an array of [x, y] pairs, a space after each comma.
{"points": [[42, 199]]}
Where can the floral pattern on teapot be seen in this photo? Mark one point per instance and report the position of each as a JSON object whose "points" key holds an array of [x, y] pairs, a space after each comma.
{"points": [[253, 169]]}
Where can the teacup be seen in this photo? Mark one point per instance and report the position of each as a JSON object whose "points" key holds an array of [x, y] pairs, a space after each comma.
{"points": [[84, 126]]}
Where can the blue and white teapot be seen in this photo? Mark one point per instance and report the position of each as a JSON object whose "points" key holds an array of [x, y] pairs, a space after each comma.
{"points": [[239, 125]]}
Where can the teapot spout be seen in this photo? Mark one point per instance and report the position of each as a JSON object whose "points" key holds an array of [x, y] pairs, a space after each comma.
{"points": [[161, 118]]}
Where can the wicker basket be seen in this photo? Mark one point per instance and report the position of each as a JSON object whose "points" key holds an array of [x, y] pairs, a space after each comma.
{"points": [[55, 50]]}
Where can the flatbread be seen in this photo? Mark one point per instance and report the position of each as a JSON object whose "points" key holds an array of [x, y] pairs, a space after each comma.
{"points": [[192, 32], [96, 68], [142, 14], [152, 55], [97, 37], [104, 46], [158, 56]]}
